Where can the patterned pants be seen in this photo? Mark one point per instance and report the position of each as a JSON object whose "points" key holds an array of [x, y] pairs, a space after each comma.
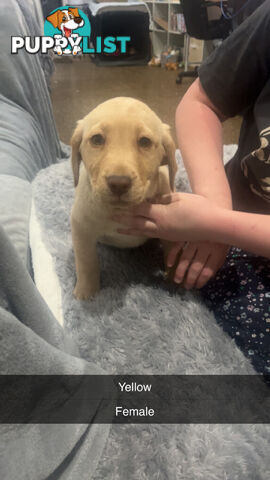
{"points": [[239, 296]]}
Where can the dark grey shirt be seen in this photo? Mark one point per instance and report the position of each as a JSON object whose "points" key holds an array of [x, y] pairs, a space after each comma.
{"points": [[236, 78]]}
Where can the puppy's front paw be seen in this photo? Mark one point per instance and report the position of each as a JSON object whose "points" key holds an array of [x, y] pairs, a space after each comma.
{"points": [[85, 292], [76, 50], [58, 50]]}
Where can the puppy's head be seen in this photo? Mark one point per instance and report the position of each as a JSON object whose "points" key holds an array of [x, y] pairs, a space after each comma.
{"points": [[66, 20], [122, 144]]}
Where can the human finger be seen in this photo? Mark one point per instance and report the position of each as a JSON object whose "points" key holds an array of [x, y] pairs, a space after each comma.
{"points": [[166, 199], [196, 266], [213, 264], [139, 226], [133, 221], [173, 253], [185, 259]]}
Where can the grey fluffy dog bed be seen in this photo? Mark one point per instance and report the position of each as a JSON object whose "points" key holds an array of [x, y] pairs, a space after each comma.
{"points": [[140, 325]]}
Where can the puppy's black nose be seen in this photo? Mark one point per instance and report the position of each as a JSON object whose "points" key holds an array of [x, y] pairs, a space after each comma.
{"points": [[77, 19], [118, 184]]}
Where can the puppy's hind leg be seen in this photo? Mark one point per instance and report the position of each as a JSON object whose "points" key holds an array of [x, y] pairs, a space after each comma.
{"points": [[87, 266]]}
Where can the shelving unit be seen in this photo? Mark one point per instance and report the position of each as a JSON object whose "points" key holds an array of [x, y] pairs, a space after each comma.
{"points": [[163, 33]]}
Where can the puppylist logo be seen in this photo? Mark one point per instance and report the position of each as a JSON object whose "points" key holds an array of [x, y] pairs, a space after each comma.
{"points": [[67, 30]]}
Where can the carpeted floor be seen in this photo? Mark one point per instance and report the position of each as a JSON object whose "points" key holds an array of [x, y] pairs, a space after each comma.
{"points": [[140, 325]]}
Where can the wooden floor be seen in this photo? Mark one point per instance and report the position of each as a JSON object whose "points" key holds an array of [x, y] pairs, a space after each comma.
{"points": [[78, 86]]}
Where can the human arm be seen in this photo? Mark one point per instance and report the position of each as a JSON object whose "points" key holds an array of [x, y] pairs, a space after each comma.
{"points": [[199, 133], [184, 217], [248, 231], [230, 81], [198, 219]]}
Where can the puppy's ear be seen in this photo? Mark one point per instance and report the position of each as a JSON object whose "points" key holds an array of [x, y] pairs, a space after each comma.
{"points": [[76, 154], [75, 11], [169, 158], [53, 18]]}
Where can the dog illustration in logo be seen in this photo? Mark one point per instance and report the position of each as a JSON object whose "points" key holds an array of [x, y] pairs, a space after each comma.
{"points": [[66, 21]]}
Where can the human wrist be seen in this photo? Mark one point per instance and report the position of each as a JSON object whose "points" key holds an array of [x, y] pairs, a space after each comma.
{"points": [[201, 223], [217, 224]]}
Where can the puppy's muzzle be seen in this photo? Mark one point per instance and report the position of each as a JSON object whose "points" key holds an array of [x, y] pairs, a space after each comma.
{"points": [[119, 184]]}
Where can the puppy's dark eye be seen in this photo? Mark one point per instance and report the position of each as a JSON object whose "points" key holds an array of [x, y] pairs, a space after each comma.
{"points": [[144, 142], [97, 139], [64, 18]]}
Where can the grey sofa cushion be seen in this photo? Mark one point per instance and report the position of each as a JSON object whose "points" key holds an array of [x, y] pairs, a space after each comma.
{"points": [[28, 137], [15, 201], [22, 79], [23, 148]]}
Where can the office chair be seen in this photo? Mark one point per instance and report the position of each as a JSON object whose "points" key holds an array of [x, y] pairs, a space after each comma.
{"points": [[199, 26]]}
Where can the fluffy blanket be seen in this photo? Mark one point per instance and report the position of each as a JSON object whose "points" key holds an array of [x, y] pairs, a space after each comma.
{"points": [[140, 325]]}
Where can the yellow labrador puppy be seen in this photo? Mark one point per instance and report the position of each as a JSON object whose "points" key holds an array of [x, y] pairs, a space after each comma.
{"points": [[128, 156]]}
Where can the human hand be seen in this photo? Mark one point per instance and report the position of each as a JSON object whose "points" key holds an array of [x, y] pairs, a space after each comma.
{"points": [[174, 217], [197, 262], [179, 218]]}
